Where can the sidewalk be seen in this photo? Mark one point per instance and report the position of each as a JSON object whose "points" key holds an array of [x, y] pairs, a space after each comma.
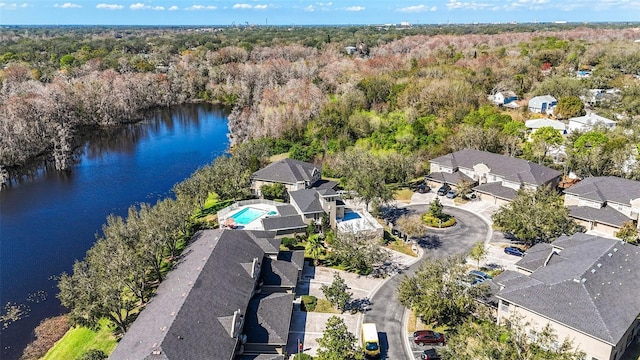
{"points": [[309, 326]]}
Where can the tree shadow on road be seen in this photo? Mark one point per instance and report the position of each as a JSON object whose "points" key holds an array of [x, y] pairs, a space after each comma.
{"points": [[392, 214], [429, 242]]}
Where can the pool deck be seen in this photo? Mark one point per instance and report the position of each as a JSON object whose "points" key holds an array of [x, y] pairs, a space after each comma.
{"points": [[256, 224]]}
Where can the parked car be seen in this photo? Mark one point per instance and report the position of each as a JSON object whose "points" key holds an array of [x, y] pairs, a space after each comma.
{"points": [[472, 280], [443, 189], [451, 194], [430, 354], [480, 274], [423, 188], [423, 337], [512, 250]]}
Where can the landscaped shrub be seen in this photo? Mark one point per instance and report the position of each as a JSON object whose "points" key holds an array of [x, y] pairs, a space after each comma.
{"points": [[93, 354], [435, 222], [308, 303], [289, 243]]}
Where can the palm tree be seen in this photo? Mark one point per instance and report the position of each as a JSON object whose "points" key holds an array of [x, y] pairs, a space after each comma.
{"points": [[315, 247]]}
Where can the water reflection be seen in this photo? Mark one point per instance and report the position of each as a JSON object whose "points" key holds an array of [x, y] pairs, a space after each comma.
{"points": [[48, 219]]}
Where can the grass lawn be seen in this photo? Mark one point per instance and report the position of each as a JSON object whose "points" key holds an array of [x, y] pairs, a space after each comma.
{"points": [[78, 340], [403, 195], [402, 247], [278, 157], [414, 323], [324, 306]]}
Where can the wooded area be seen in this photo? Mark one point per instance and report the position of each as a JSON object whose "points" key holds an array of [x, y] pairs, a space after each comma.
{"points": [[374, 119], [419, 91]]}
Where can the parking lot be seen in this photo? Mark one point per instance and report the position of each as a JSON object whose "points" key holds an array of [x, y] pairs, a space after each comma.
{"points": [[497, 258], [418, 349]]}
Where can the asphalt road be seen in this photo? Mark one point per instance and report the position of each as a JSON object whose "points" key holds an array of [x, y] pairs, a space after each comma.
{"points": [[386, 311]]}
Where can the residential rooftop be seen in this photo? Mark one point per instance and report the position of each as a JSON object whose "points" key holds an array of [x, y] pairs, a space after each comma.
{"points": [[585, 282], [512, 169]]}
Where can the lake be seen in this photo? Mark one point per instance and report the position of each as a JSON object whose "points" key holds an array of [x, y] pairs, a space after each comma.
{"points": [[50, 220]]}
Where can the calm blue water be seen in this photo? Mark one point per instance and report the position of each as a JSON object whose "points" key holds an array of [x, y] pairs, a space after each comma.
{"points": [[351, 215], [247, 215], [48, 223]]}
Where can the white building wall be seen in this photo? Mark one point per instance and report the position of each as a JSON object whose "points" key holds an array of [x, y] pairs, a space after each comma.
{"points": [[594, 348]]}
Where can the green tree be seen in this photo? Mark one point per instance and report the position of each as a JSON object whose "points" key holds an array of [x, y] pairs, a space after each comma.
{"points": [[337, 342], [568, 107], [437, 294], [315, 247], [436, 210], [628, 232], [337, 293], [91, 293], [478, 252], [229, 178], [484, 339], [535, 216], [93, 354], [543, 139], [464, 187], [589, 154], [365, 174], [358, 252], [272, 192], [412, 225], [197, 187]]}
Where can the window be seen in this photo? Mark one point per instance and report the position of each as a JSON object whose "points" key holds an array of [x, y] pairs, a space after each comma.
{"points": [[504, 307]]}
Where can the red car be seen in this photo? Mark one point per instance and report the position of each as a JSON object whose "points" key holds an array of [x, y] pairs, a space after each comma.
{"points": [[423, 337]]}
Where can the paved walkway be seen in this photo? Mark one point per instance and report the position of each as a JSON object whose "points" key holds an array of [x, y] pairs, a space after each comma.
{"points": [[309, 326]]}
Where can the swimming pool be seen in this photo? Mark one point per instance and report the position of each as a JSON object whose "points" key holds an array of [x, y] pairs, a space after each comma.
{"points": [[247, 215], [352, 215]]}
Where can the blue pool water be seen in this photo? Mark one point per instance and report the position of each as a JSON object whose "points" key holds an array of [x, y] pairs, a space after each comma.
{"points": [[351, 216], [247, 215], [272, 213]]}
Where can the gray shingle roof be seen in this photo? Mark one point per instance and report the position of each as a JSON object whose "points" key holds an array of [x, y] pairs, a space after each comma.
{"points": [[268, 319], [496, 189], [189, 317], [306, 200], [605, 215], [606, 188], [286, 210], [278, 272], [450, 178], [502, 165], [536, 257], [288, 171], [590, 285], [295, 257], [325, 184], [266, 240], [283, 223]]}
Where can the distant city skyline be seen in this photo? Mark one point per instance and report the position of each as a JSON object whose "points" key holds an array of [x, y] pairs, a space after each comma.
{"points": [[305, 12]]}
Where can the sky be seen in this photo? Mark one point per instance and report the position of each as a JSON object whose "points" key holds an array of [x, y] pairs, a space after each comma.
{"points": [[306, 12]]}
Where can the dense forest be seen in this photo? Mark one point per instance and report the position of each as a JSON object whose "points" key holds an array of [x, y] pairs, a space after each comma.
{"points": [[374, 115], [419, 91]]}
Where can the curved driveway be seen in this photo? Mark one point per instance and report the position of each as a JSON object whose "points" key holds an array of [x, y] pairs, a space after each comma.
{"points": [[386, 311]]}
